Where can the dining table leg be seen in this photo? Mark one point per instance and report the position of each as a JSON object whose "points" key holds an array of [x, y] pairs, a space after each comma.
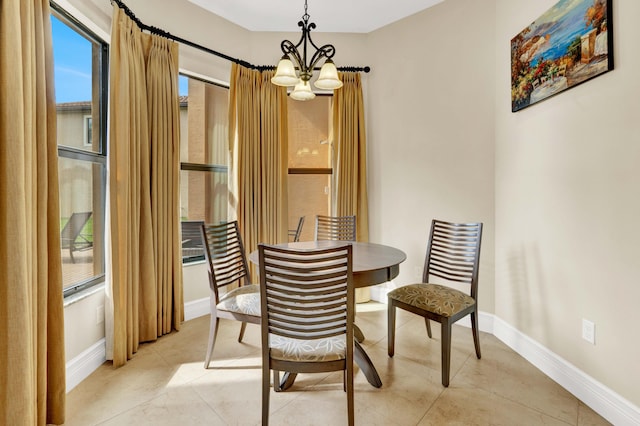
{"points": [[366, 365], [287, 380], [358, 334], [361, 358]]}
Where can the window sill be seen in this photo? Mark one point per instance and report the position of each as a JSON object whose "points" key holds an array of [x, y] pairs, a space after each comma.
{"points": [[75, 298]]}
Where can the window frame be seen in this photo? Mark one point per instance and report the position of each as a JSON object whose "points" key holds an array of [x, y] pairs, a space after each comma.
{"points": [[87, 129], [98, 156]]}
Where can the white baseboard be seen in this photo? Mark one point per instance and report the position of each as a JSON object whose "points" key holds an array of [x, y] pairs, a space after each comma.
{"points": [[196, 308], [594, 394], [80, 367], [604, 401]]}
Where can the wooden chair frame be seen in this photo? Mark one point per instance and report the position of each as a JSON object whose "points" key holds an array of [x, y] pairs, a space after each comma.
{"points": [[306, 295], [227, 264], [336, 228], [453, 254], [295, 233]]}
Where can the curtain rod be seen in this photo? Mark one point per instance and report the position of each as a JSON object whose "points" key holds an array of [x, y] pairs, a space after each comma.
{"points": [[160, 32]]}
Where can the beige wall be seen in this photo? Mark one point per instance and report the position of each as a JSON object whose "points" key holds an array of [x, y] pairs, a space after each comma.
{"points": [[431, 131], [567, 180]]}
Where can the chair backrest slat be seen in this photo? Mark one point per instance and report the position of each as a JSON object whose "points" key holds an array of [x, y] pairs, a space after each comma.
{"points": [[336, 228], [225, 255], [453, 253], [306, 294]]}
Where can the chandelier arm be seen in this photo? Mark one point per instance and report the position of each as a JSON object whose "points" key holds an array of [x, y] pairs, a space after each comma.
{"points": [[310, 27], [326, 51], [288, 48], [287, 73], [305, 30]]}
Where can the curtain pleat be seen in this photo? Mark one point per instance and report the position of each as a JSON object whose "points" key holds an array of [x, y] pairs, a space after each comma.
{"points": [[258, 145], [32, 360], [145, 291], [350, 154], [162, 77]]}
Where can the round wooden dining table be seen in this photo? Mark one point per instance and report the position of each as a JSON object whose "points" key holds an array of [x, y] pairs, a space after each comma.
{"points": [[372, 264]]}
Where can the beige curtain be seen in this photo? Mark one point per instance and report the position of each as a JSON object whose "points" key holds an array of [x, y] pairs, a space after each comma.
{"points": [[32, 360], [350, 154], [145, 292], [258, 146]]}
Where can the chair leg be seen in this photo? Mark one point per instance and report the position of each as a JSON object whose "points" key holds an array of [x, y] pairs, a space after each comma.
{"points": [[265, 395], [213, 332], [476, 335], [391, 327], [350, 403], [428, 324], [446, 352], [242, 328], [344, 381], [276, 381]]}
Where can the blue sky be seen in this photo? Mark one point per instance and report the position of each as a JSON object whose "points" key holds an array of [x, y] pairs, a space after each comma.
{"points": [[72, 64]]}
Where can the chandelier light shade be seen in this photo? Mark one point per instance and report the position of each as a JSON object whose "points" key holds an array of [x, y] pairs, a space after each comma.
{"points": [[302, 91], [293, 69], [286, 73], [328, 78]]}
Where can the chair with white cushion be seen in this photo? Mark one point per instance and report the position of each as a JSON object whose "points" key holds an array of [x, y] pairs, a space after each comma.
{"points": [[227, 264], [307, 315]]}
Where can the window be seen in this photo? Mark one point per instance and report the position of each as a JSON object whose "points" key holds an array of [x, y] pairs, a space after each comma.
{"points": [[88, 138], [309, 162], [80, 68], [204, 125]]}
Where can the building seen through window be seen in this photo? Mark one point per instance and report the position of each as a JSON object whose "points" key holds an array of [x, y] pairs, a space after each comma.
{"points": [[310, 169], [204, 127]]}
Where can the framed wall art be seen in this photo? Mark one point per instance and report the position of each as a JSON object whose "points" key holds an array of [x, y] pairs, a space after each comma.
{"points": [[567, 45]]}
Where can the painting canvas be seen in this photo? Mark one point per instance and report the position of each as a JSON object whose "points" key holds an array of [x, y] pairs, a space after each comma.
{"points": [[569, 44]]}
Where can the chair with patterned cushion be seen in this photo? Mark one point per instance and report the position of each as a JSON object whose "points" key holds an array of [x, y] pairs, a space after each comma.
{"points": [[307, 315], [336, 228], [453, 256], [227, 264]]}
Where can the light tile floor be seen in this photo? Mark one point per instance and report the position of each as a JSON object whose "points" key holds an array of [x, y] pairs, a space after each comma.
{"points": [[165, 383]]}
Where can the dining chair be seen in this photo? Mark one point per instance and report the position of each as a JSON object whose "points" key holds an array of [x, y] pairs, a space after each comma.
{"points": [[227, 264], [307, 315], [295, 233], [337, 228], [453, 256]]}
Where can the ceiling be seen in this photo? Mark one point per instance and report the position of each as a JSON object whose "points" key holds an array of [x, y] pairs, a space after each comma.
{"points": [[351, 16]]}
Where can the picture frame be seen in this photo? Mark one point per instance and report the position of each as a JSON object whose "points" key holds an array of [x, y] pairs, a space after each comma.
{"points": [[569, 44]]}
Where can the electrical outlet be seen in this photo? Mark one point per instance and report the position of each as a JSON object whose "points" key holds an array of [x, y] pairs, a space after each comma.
{"points": [[99, 314], [589, 331]]}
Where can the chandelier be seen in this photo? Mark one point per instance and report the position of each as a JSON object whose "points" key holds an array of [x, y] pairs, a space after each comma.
{"points": [[286, 74]]}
